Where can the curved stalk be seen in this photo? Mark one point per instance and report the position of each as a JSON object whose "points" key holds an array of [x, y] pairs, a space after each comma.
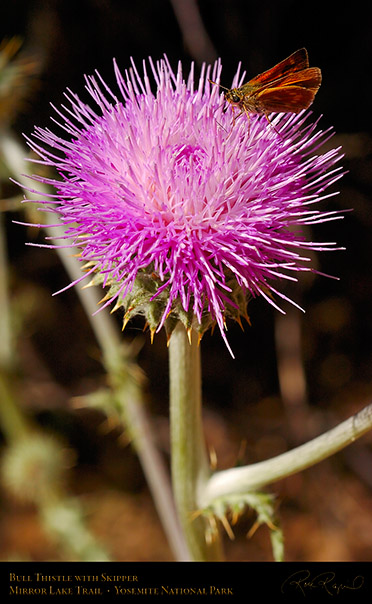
{"points": [[258, 475]]}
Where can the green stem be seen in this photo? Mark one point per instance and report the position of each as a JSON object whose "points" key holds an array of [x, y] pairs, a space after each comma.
{"points": [[190, 468]]}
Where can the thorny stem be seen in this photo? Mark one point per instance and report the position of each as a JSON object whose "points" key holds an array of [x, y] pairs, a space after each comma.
{"points": [[189, 461], [53, 506]]}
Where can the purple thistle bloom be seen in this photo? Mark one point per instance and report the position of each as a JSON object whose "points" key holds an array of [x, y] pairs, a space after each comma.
{"points": [[173, 205]]}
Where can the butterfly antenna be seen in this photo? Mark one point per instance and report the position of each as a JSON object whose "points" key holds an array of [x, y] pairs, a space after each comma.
{"points": [[215, 84]]}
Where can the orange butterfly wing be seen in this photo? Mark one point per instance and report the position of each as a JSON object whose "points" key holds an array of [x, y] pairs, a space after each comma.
{"points": [[306, 78], [288, 99], [297, 61]]}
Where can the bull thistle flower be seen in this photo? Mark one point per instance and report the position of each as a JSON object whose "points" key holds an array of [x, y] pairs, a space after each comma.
{"points": [[183, 213]]}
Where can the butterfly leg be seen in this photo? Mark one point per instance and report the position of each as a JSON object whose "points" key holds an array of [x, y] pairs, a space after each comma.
{"points": [[235, 117], [270, 122], [248, 117]]}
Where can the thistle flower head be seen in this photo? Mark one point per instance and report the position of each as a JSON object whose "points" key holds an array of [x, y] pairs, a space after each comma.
{"points": [[181, 212]]}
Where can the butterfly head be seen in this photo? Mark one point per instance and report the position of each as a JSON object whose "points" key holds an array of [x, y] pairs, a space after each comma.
{"points": [[232, 96]]}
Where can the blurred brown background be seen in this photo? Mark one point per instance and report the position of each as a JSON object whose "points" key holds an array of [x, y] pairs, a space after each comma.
{"points": [[255, 405]]}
